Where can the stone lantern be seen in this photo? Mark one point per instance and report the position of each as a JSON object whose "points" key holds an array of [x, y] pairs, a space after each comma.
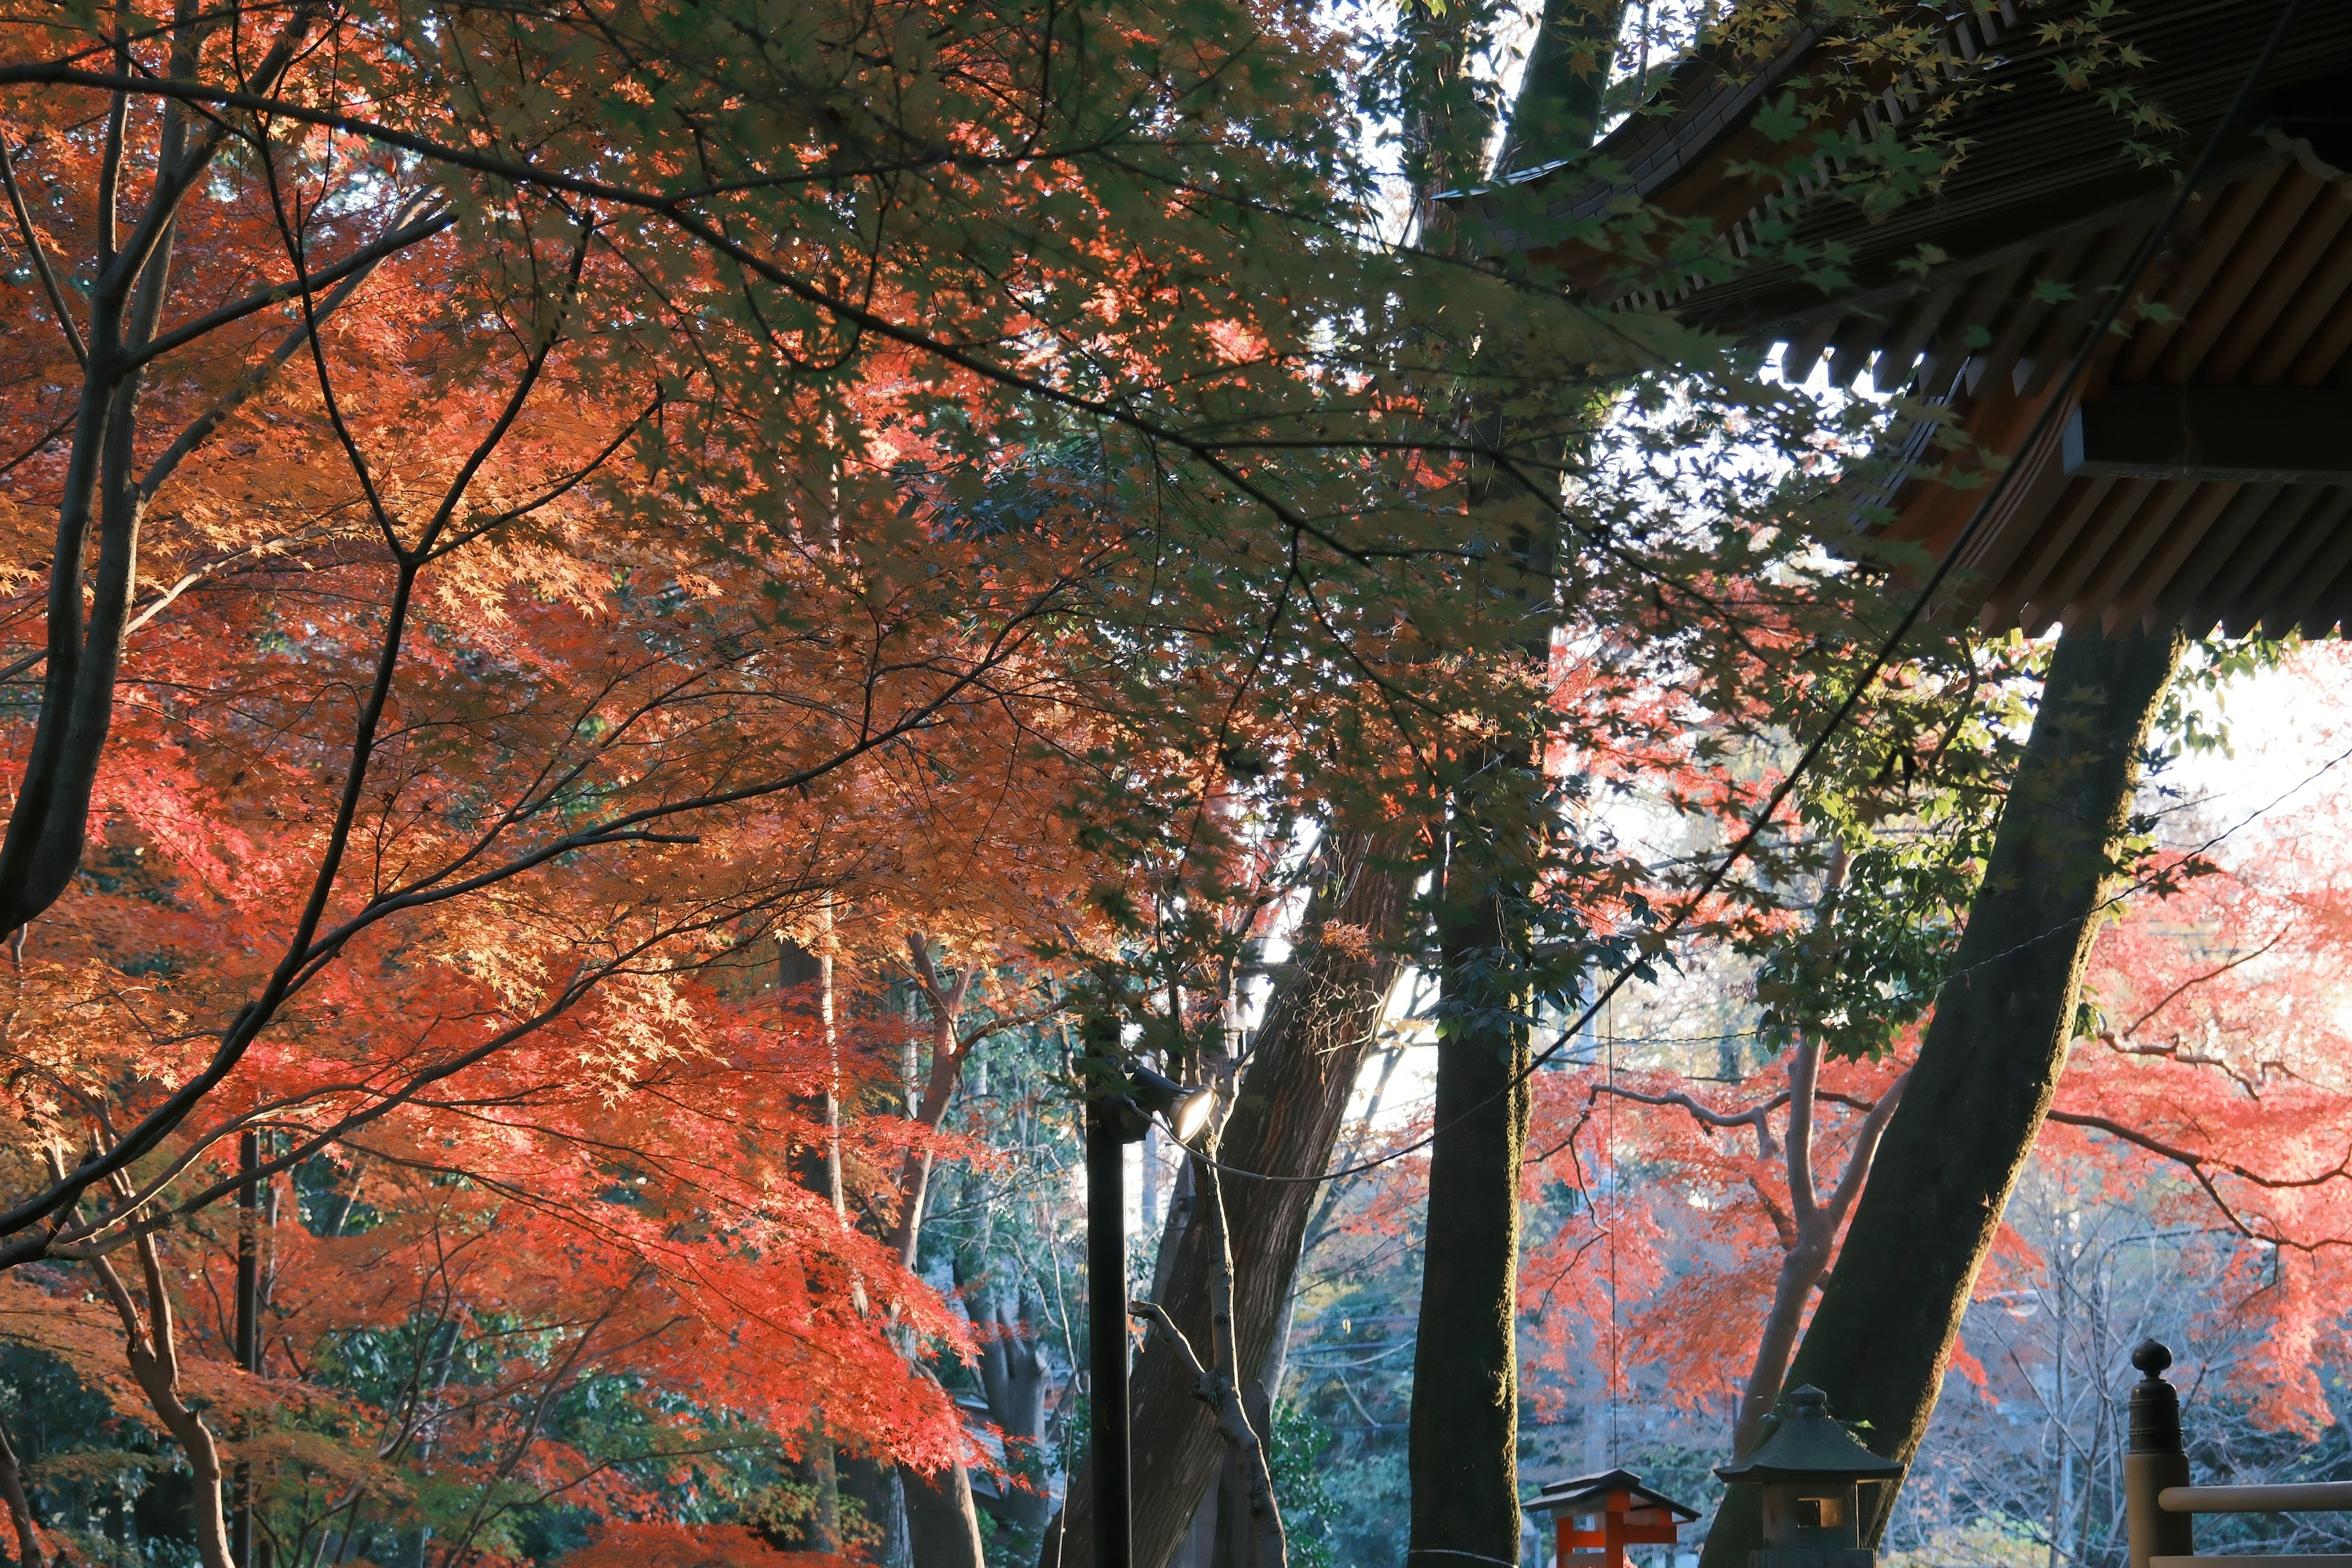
{"points": [[1811, 1471]]}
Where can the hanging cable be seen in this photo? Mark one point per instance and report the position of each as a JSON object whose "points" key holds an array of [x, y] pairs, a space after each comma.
{"points": [[1608, 1165]]}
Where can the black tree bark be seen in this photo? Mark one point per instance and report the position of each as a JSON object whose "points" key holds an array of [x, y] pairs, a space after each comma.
{"points": [[1883, 1335]]}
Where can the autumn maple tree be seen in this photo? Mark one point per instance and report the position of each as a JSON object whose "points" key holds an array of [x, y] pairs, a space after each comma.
{"points": [[519, 524]]}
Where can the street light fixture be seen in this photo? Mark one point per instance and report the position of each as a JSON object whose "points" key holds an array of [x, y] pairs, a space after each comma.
{"points": [[1121, 1100], [1186, 1111]]}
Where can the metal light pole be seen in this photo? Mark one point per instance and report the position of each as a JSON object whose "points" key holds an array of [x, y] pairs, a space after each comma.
{"points": [[1107, 1327], [248, 1328], [1121, 1098]]}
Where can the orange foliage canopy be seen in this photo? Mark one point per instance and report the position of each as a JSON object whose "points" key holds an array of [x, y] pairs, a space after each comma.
{"points": [[510, 518]]}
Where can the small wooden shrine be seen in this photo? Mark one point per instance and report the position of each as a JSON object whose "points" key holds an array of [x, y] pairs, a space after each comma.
{"points": [[1595, 1518]]}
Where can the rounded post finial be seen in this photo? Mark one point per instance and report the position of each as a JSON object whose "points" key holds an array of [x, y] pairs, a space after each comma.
{"points": [[2155, 1404]]}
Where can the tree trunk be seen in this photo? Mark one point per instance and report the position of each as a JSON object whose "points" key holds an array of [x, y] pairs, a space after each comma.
{"points": [[942, 1526], [1317, 1027], [1013, 1377], [915, 1178], [873, 1484], [1247, 1426], [20, 1507], [1812, 1226], [816, 1469], [1988, 1069], [946, 999], [151, 1344], [243, 1544], [1240, 1538], [1463, 1444]]}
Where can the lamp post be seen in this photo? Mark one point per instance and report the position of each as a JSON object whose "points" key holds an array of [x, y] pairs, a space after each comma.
{"points": [[1121, 1100]]}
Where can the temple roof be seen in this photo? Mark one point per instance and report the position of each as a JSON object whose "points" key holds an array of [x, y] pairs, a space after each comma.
{"points": [[2152, 499]]}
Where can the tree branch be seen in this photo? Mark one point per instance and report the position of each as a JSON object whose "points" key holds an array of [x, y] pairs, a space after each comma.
{"points": [[2202, 1166], [41, 256]]}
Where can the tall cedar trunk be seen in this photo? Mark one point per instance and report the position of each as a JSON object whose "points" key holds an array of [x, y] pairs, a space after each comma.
{"points": [[1883, 1334], [1317, 1027], [1463, 1446]]}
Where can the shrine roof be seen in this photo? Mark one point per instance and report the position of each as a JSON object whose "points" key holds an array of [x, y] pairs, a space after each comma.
{"points": [[2139, 504], [1575, 1489]]}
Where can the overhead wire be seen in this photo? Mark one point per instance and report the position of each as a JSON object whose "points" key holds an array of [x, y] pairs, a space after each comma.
{"points": [[2078, 366]]}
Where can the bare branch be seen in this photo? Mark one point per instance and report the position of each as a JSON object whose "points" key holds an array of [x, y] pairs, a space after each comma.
{"points": [[2203, 1166], [41, 256], [1866, 1149]]}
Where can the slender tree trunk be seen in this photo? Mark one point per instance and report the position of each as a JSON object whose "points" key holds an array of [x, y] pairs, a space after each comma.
{"points": [[1463, 1445], [946, 998], [1252, 1536], [248, 1327], [827, 1016], [1813, 1227], [20, 1507], [1883, 1331], [818, 1165], [1317, 1027], [1463, 1442], [151, 1345], [1248, 1432], [944, 1502], [915, 1178]]}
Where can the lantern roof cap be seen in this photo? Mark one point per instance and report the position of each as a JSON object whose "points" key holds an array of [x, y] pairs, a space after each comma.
{"points": [[1574, 1490], [1809, 1442]]}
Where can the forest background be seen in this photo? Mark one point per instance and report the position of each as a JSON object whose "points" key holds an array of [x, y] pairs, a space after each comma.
{"points": [[624, 620]]}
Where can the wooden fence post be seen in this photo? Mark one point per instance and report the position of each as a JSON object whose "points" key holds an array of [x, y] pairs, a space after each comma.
{"points": [[2156, 1459]]}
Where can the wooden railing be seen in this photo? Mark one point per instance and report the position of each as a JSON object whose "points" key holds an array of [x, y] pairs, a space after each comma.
{"points": [[2160, 1506]]}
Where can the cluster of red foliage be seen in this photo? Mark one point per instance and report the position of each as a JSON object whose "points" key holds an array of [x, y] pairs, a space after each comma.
{"points": [[2208, 1084]]}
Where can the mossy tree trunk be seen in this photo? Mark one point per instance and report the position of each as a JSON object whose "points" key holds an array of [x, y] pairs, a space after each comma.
{"points": [[1463, 1442]]}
